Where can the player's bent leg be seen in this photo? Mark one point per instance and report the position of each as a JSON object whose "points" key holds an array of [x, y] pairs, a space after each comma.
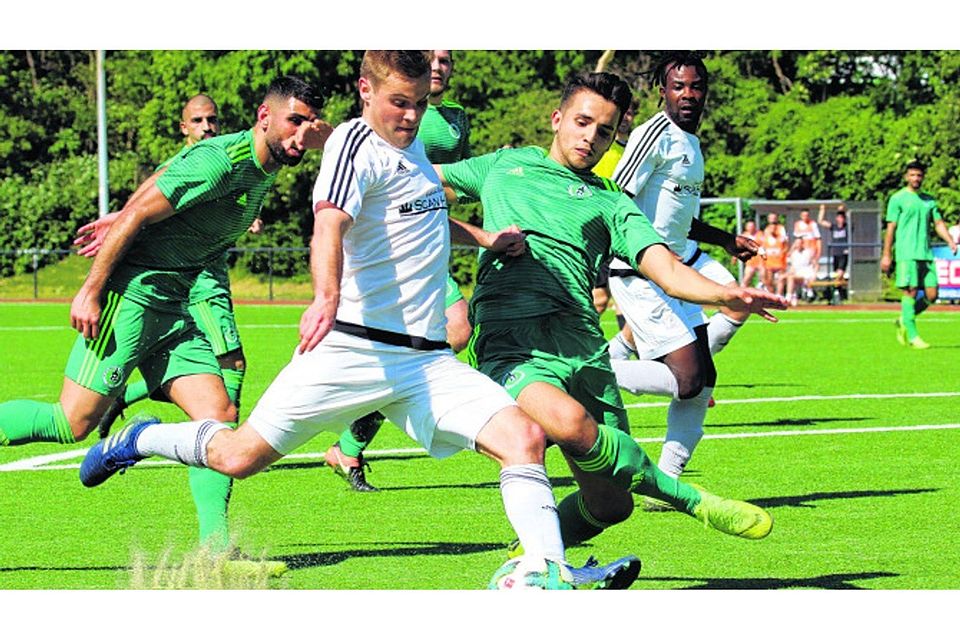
{"points": [[597, 505]]}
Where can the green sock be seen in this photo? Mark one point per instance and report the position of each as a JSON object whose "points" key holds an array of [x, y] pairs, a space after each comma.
{"points": [[357, 438], [908, 314], [136, 392], [25, 421], [617, 456], [211, 489], [576, 523]]}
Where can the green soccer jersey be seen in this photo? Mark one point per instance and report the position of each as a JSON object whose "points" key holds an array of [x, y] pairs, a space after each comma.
{"points": [[913, 213], [216, 187], [572, 222], [445, 132], [214, 280]]}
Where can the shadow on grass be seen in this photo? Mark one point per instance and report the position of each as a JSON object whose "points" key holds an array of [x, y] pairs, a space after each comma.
{"points": [[805, 501], [389, 550], [55, 568], [786, 422], [836, 581], [758, 385]]}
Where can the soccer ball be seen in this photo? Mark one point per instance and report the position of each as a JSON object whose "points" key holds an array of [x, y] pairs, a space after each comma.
{"points": [[529, 573]]}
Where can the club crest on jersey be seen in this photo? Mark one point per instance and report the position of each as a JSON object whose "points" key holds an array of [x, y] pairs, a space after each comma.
{"points": [[113, 377], [454, 131], [512, 378], [579, 191]]}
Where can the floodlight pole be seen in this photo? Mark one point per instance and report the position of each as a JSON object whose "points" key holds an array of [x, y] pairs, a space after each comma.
{"points": [[104, 181]]}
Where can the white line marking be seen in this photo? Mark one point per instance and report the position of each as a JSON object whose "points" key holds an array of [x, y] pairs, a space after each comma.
{"points": [[852, 396], [67, 327], [39, 463]]}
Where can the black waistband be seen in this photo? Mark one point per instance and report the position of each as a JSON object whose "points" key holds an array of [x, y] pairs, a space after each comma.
{"points": [[389, 337], [633, 273]]}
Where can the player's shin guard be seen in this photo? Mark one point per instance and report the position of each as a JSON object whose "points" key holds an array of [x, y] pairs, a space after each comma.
{"points": [[25, 421], [908, 313], [576, 523], [720, 330], [617, 456], [684, 431], [531, 509]]}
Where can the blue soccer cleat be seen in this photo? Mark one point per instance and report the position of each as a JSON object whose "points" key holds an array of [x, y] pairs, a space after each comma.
{"points": [[114, 454]]}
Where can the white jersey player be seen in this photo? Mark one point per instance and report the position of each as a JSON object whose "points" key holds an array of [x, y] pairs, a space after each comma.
{"points": [[662, 170]]}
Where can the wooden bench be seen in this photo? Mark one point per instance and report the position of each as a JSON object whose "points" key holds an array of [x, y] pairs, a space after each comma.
{"points": [[825, 289]]}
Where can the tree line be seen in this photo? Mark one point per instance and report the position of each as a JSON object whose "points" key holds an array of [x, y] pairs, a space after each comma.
{"points": [[778, 125]]}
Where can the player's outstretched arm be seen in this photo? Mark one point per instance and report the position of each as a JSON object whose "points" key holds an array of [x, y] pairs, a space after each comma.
{"points": [[330, 224], [144, 208], [510, 241], [313, 134], [660, 266], [740, 247]]}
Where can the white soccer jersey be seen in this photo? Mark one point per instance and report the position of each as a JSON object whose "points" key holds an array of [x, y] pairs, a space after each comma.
{"points": [[662, 170], [806, 230], [396, 252]]}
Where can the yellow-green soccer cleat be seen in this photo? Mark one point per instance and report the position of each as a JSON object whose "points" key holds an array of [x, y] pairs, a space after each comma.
{"points": [[901, 332], [733, 517], [919, 343]]}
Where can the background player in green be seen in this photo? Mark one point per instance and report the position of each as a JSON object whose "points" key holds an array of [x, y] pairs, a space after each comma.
{"points": [[444, 131], [537, 331], [131, 310], [909, 214], [212, 310]]}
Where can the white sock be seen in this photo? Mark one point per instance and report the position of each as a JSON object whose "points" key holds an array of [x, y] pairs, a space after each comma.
{"points": [[720, 330], [532, 510], [620, 349], [184, 442], [684, 430], [645, 376]]}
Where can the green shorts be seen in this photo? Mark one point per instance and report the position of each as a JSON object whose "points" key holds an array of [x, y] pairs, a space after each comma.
{"points": [[555, 350], [453, 292], [915, 274], [214, 316], [164, 345]]}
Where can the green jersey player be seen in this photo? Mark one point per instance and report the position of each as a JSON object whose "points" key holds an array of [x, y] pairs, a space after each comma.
{"points": [[536, 328], [211, 307], [131, 310], [444, 131], [909, 215]]}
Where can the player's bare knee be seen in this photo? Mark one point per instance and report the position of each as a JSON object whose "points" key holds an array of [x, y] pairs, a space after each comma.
{"points": [[689, 386], [573, 427]]}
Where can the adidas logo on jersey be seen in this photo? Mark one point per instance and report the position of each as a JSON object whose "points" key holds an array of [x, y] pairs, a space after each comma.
{"points": [[516, 171], [686, 160], [402, 168], [242, 200]]}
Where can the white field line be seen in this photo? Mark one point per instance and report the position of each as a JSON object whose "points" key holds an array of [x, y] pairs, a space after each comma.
{"points": [[852, 396], [41, 463]]}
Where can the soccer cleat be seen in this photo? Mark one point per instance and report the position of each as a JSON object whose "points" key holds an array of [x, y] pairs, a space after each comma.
{"points": [[114, 454], [514, 549], [240, 564], [617, 575], [901, 332], [919, 343], [353, 474], [711, 403], [733, 517], [114, 411]]}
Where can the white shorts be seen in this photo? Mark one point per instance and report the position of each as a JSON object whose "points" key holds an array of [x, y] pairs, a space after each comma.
{"points": [[662, 324], [439, 401]]}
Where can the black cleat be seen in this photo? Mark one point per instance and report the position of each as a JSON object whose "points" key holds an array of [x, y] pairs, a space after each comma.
{"points": [[352, 474]]}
